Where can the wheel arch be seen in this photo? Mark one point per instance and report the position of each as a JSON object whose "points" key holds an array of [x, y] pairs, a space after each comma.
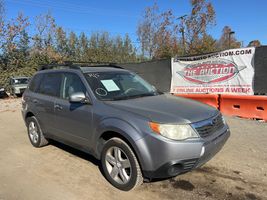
{"points": [[32, 114], [107, 135], [29, 114]]}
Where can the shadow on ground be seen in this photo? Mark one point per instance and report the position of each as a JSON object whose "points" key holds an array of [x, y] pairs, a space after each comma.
{"points": [[75, 152], [204, 182]]}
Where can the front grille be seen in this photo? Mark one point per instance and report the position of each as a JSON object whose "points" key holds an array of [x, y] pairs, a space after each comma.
{"points": [[208, 127]]}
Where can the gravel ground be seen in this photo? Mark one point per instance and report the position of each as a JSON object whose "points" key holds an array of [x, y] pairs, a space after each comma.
{"points": [[56, 171]]}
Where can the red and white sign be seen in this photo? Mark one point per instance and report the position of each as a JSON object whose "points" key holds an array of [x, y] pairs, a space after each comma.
{"points": [[229, 71]]}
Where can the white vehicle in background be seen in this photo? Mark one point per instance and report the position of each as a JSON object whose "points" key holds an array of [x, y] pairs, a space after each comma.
{"points": [[17, 85]]}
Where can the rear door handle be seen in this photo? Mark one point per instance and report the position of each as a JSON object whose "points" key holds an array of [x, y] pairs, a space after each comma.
{"points": [[58, 107]]}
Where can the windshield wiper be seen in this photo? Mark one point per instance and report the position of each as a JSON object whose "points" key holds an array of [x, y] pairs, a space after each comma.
{"points": [[133, 96]]}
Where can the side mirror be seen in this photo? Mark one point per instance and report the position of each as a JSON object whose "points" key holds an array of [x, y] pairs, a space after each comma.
{"points": [[78, 97]]}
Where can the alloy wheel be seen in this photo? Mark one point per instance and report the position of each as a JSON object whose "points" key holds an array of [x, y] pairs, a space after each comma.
{"points": [[118, 165]]}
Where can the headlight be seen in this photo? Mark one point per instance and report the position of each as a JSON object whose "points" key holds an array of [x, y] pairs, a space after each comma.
{"points": [[175, 132], [2, 89]]}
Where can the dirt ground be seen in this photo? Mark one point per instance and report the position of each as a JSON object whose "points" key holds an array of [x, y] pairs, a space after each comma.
{"points": [[56, 171]]}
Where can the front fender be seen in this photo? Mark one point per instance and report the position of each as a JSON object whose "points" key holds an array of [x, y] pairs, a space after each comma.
{"points": [[121, 126], [128, 131]]}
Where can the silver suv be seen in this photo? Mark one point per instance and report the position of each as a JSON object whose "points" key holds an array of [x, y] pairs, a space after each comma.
{"points": [[136, 131]]}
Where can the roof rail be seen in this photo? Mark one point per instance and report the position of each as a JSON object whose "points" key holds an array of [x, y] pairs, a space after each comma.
{"points": [[107, 65], [93, 64], [57, 66], [77, 65]]}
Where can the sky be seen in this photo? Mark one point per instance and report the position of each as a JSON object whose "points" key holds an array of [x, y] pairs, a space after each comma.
{"points": [[247, 18]]}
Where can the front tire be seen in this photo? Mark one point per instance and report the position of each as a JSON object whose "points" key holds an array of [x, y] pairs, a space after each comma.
{"points": [[120, 165], [12, 93], [35, 133]]}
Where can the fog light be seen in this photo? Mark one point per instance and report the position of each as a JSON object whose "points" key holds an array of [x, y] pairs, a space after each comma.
{"points": [[202, 151]]}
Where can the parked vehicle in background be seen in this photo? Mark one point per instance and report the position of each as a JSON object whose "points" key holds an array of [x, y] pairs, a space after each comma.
{"points": [[136, 131], [3, 93], [17, 85]]}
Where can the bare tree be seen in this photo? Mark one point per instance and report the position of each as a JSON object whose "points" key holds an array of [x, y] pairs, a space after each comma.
{"points": [[147, 29], [45, 31], [227, 39], [202, 16], [168, 43], [157, 33], [14, 29]]}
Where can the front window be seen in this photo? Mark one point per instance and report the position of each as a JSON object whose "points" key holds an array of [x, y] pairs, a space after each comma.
{"points": [[21, 81], [71, 84], [119, 85]]}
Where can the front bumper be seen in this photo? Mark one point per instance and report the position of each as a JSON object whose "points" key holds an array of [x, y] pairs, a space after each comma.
{"points": [[166, 158], [213, 147], [19, 90]]}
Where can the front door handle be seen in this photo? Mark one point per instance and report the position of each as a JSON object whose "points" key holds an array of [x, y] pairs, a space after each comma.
{"points": [[35, 101], [58, 107]]}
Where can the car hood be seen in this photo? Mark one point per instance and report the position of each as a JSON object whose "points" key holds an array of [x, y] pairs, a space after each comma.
{"points": [[166, 108]]}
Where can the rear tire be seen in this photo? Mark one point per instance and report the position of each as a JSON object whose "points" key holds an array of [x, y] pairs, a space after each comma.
{"points": [[120, 165], [35, 133]]}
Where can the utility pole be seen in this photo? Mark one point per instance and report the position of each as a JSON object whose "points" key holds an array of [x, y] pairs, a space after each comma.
{"points": [[230, 33], [182, 31], [242, 43]]}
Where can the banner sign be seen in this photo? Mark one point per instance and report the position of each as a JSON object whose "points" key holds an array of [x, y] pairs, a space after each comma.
{"points": [[229, 71]]}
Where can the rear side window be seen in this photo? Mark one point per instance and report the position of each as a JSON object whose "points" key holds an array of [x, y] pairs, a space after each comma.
{"points": [[34, 84], [50, 84]]}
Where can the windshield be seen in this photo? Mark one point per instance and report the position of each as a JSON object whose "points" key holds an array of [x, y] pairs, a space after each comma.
{"points": [[119, 85], [21, 81]]}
